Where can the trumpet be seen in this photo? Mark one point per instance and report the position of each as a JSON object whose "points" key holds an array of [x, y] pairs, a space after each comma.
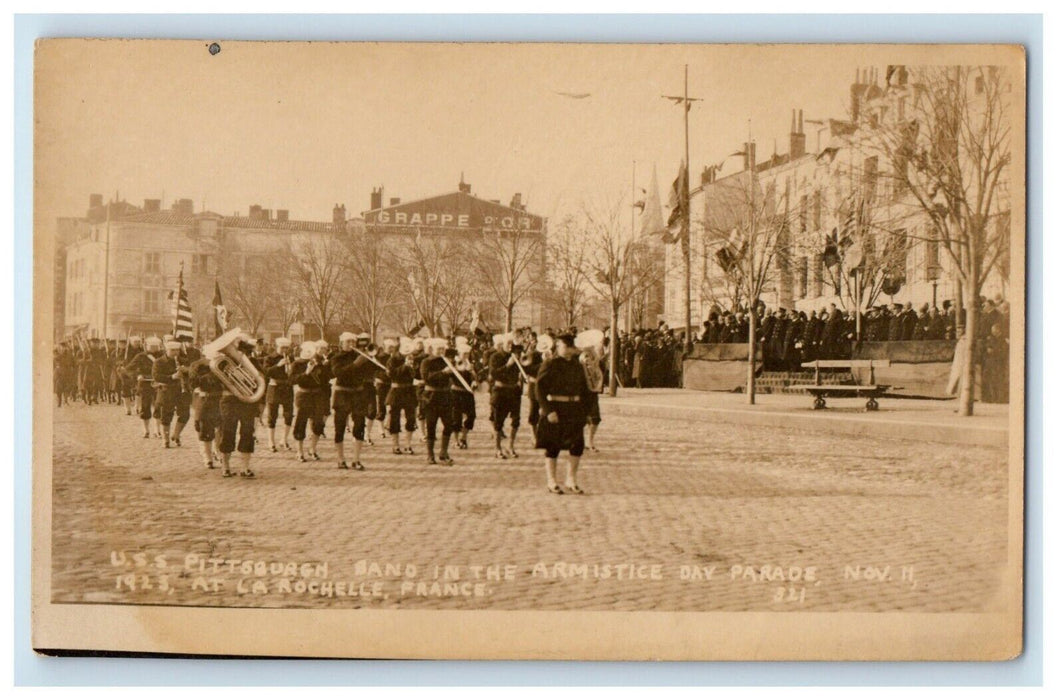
{"points": [[233, 368]]}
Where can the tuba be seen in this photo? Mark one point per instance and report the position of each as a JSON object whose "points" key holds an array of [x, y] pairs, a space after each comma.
{"points": [[233, 368], [591, 339]]}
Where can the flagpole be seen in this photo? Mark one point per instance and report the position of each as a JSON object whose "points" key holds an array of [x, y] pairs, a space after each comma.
{"points": [[686, 218]]}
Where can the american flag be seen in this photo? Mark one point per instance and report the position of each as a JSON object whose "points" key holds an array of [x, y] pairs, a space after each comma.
{"points": [[182, 310]]}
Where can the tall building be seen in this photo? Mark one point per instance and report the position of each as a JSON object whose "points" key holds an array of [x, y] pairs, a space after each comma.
{"points": [[833, 182], [465, 256], [120, 268]]}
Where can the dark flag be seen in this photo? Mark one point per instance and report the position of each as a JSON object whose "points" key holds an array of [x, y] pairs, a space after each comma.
{"points": [[678, 206], [221, 314]]}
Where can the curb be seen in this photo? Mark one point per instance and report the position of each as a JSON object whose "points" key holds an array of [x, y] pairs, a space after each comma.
{"points": [[840, 423]]}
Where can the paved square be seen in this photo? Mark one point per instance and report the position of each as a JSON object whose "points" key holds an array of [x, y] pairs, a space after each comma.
{"points": [[679, 515]]}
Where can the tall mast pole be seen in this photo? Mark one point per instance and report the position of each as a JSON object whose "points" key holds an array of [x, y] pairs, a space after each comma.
{"points": [[686, 217]]}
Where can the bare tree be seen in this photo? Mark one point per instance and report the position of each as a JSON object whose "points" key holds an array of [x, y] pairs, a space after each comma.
{"points": [[509, 266], [750, 219], [617, 266], [950, 155], [248, 290], [370, 285], [567, 253], [424, 265], [320, 268]]}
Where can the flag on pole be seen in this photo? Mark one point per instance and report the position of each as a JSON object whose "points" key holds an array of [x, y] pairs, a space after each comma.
{"points": [[650, 221], [182, 310], [221, 314], [678, 206], [474, 323]]}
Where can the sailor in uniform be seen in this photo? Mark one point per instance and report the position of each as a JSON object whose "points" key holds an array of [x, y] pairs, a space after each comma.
{"points": [[564, 395]]}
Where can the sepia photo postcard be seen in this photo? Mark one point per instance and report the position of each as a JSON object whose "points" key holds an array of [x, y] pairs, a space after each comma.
{"points": [[529, 351]]}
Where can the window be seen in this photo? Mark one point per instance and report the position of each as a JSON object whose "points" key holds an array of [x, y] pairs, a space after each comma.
{"points": [[152, 301], [931, 264], [201, 263], [803, 277], [818, 276], [817, 200], [803, 213], [151, 263]]}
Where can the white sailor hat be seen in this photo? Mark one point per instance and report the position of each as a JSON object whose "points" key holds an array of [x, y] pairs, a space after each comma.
{"points": [[283, 342], [308, 350], [346, 336], [390, 342], [362, 336], [153, 341], [172, 345], [436, 343], [321, 344], [502, 338]]}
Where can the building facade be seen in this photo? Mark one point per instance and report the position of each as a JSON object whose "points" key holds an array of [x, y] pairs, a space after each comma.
{"points": [[839, 187], [118, 265]]}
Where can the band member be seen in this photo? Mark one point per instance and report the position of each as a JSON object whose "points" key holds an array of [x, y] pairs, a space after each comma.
{"points": [[564, 395], [238, 416], [419, 382], [402, 399], [505, 399], [381, 386], [206, 407], [279, 391], [352, 394], [141, 368], [127, 382], [165, 380], [591, 360], [532, 360], [465, 403], [437, 402], [308, 375], [183, 401]]}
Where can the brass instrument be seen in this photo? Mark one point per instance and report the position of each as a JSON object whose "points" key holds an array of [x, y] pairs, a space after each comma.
{"points": [[233, 368], [371, 359], [589, 339], [461, 379]]}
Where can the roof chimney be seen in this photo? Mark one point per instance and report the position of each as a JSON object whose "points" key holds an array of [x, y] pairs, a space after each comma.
{"points": [[282, 215], [393, 201], [151, 206], [464, 186], [183, 206], [515, 201], [255, 213], [339, 215], [376, 198], [751, 156]]}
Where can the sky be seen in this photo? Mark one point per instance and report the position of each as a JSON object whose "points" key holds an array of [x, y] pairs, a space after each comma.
{"points": [[304, 126]]}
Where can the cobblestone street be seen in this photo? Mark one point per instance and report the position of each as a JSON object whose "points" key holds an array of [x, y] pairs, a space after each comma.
{"points": [[678, 515]]}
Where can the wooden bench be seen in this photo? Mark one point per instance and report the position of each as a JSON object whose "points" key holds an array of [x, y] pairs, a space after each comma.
{"points": [[872, 390]]}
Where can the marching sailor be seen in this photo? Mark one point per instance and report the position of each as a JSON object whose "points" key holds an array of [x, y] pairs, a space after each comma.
{"points": [[279, 391], [591, 361], [140, 367], [563, 394], [402, 400], [308, 374], [207, 396], [238, 416], [166, 380], [465, 403], [505, 377], [352, 395], [381, 386], [436, 376]]}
